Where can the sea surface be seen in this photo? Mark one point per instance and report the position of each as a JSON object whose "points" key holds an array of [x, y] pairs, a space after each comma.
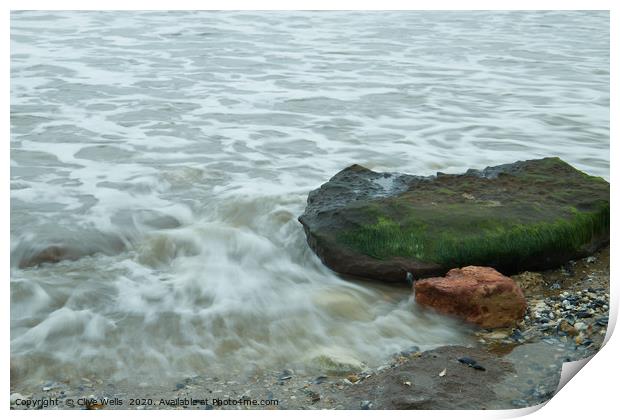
{"points": [[173, 152]]}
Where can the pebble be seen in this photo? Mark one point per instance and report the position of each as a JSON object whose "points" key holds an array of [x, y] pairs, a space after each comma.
{"points": [[565, 327], [353, 378], [580, 326], [314, 396], [602, 321], [471, 363], [468, 361], [517, 335], [286, 375], [366, 405], [16, 396], [320, 379]]}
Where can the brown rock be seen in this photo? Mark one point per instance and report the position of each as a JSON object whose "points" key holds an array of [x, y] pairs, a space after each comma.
{"points": [[479, 295], [568, 328]]}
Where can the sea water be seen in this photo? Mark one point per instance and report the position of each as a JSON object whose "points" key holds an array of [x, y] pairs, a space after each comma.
{"points": [[171, 153]]}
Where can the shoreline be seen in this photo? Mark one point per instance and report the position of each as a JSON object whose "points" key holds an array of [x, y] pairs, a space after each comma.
{"points": [[566, 320]]}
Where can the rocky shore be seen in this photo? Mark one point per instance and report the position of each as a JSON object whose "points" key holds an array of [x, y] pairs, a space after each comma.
{"points": [[516, 367]]}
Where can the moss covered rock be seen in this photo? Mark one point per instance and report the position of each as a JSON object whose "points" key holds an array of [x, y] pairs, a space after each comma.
{"points": [[528, 215]]}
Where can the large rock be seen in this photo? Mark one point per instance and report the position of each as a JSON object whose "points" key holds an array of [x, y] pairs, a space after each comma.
{"points": [[479, 295], [529, 215]]}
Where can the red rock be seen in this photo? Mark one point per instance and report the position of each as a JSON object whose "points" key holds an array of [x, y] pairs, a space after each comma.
{"points": [[479, 295]]}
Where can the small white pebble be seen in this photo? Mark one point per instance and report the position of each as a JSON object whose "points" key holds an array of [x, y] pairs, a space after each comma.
{"points": [[16, 396]]}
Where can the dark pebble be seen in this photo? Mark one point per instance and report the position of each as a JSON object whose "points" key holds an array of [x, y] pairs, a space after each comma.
{"points": [[467, 361], [583, 314], [602, 322], [471, 363], [179, 386], [320, 379], [516, 335], [208, 407]]}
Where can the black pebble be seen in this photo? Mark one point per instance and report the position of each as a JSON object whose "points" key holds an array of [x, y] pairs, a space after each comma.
{"points": [[467, 361], [471, 363]]}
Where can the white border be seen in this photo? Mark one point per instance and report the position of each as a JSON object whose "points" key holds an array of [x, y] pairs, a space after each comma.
{"points": [[590, 394]]}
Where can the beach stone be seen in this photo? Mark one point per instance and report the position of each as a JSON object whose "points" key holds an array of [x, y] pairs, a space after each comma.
{"points": [[16, 396], [479, 295], [529, 280], [567, 328], [336, 361], [529, 215], [365, 405]]}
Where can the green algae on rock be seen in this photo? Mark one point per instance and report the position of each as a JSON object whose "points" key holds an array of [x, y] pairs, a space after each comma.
{"points": [[528, 215]]}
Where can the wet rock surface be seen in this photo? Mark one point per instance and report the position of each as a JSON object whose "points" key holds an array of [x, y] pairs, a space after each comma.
{"points": [[529, 215], [418, 384], [478, 295]]}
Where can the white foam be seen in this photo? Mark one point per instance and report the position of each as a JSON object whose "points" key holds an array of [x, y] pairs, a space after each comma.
{"points": [[224, 124]]}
